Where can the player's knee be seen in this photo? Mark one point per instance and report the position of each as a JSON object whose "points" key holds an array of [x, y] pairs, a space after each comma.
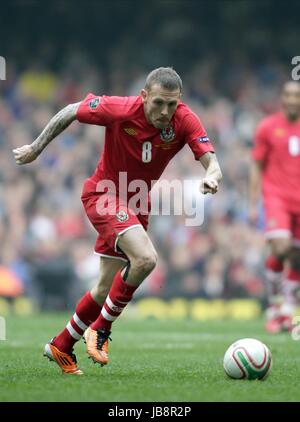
{"points": [[295, 259], [99, 297], [100, 291], [145, 263], [295, 265], [280, 248]]}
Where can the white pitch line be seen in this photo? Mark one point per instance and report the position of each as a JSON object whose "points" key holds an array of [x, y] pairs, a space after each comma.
{"points": [[175, 346], [210, 337]]}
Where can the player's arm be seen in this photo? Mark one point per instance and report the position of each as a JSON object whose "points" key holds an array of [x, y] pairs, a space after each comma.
{"points": [[197, 139], [213, 174], [254, 188], [58, 123], [259, 154]]}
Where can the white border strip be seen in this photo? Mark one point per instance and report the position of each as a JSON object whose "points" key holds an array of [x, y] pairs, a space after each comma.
{"points": [[110, 256], [280, 233], [107, 316], [112, 306], [79, 322], [125, 230], [73, 333]]}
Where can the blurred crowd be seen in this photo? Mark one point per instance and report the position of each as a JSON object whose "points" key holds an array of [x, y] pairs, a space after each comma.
{"points": [[46, 240]]}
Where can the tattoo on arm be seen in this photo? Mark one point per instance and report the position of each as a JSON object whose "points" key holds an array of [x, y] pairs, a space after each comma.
{"points": [[57, 124]]}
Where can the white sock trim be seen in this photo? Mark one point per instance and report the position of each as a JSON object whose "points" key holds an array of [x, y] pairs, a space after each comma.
{"points": [[114, 307], [73, 332], [288, 309], [124, 303], [273, 276], [78, 321], [107, 316]]}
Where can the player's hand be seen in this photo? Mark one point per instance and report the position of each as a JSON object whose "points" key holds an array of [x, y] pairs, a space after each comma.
{"points": [[25, 154], [209, 186], [253, 215]]}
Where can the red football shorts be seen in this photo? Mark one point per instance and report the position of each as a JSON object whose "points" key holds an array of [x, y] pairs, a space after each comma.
{"points": [[111, 218], [281, 222]]}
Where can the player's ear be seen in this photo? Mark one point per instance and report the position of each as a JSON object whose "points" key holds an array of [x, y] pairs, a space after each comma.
{"points": [[144, 95]]}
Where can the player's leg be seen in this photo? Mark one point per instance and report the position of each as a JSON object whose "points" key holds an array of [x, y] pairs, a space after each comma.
{"points": [[108, 269], [291, 290], [279, 234], [279, 252], [279, 248], [87, 310], [118, 226], [137, 246], [291, 282]]}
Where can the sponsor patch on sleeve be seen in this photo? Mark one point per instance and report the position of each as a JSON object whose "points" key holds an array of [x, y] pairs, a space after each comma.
{"points": [[203, 139]]}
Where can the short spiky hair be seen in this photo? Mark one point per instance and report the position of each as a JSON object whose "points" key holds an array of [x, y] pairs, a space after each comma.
{"points": [[166, 77]]}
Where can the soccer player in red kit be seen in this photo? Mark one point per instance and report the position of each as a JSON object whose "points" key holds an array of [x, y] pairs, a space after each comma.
{"points": [[276, 167], [142, 135]]}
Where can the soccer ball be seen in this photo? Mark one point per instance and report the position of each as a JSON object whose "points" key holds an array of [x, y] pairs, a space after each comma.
{"points": [[247, 359]]}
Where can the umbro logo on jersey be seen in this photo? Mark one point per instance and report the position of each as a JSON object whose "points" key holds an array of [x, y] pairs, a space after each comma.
{"points": [[130, 131], [94, 103], [279, 131]]}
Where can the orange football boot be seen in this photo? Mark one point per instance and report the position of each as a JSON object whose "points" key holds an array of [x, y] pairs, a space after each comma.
{"points": [[66, 361], [97, 345]]}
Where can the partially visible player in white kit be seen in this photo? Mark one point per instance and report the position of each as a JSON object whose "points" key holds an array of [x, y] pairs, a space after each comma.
{"points": [[276, 170], [143, 133]]}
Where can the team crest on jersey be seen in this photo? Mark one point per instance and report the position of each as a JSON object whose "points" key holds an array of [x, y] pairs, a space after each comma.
{"points": [[122, 216], [94, 103], [167, 134]]}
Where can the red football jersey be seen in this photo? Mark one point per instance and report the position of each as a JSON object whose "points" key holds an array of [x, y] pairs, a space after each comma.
{"points": [[277, 145], [134, 146]]}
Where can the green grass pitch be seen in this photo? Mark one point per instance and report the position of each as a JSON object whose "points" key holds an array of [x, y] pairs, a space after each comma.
{"points": [[150, 361]]}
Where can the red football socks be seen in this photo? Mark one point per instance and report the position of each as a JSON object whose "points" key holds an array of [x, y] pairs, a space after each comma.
{"points": [[87, 310], [119, 296], [273, 264]]}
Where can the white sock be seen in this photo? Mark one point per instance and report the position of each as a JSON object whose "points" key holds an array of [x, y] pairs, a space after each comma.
{"points": [[291, 290]]}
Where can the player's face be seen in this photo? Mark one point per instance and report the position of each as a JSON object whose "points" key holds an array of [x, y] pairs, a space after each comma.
{"points": [[290, 100], [160, 105]]}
